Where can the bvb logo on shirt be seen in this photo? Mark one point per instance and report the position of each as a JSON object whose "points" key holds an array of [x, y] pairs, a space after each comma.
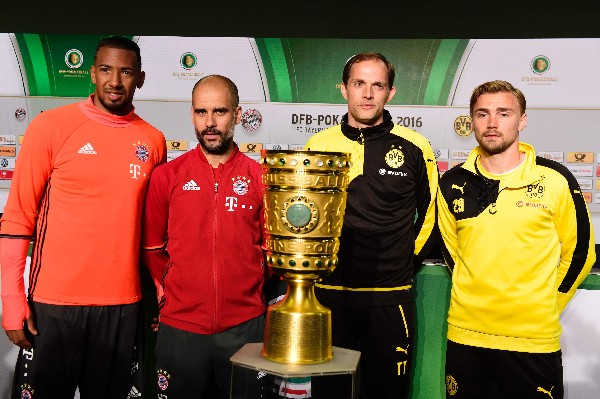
{"points": [[463, 125], [394, 158], [535, 190], [451, 385]]}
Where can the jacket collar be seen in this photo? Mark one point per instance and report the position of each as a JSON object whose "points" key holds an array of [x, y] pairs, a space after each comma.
{"points": [[527, 174], [361, 135]]}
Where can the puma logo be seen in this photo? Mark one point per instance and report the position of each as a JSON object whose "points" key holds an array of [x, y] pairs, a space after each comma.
{"points": [[460, 188], [549, 393], [399, 349]]}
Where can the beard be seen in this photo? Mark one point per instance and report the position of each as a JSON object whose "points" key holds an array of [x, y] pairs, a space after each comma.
{"points": [[217, 147], [497, 147]]}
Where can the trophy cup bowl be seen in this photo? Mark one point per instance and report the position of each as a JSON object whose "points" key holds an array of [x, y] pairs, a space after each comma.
{"points": [[305, 200]]}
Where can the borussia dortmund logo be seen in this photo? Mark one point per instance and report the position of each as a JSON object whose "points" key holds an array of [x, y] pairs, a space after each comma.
{"points": [[463, 125], [451, 385], [394, 158], [535, 190]]}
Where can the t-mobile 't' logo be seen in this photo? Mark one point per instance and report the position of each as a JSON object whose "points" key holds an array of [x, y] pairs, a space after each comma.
{"points": [[231, 202], [135, 170]]}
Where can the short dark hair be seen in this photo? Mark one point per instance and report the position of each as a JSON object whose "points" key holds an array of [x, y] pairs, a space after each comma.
{"points": [[233, 90], [122, 43], [369, 56], [498, 86]]}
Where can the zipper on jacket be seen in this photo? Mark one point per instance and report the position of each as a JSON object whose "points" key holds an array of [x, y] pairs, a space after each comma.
{"points": [[361, 137], [217, 173]]}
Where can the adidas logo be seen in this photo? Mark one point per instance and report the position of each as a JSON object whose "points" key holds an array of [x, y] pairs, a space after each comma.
{"points": [[134, 393], [87, 149], [191, 185]]}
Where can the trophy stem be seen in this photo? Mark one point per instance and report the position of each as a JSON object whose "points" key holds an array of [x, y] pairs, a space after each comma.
{"points": [[298, 328]]}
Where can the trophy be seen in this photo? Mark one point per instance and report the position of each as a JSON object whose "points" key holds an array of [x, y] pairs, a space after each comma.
{"points": [[305, 200]]}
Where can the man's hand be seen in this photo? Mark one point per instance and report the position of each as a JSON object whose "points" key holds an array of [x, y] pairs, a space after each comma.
{"points": [[19, 338]]}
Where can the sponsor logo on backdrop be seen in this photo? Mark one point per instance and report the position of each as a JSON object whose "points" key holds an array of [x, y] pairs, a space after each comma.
{"points": [[463, 125], [557, 156], [587, 196], [251, 120], [177, 145], [581, 171], [580, 157], [460, 154], [74, 58], [7, 163], [597, 198], [442, 166], [585, 184], [441, 153], [8, 151], [6, 174], [251, 147], [20, 113], [171, 155], [276, 147], [539, 65], [188, 61], [8, 139]]}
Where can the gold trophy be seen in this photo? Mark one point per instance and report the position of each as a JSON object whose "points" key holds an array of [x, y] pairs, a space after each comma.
{"points": [[305, 200]]}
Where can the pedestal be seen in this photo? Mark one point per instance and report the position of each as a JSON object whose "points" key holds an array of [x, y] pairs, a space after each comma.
{"points": [[254, 377]]}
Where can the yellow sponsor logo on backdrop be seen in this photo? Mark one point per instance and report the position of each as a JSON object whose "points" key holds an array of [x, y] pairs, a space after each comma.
{"points": [[177, 145], [463, 125], [6, 151], [580, 157], [251, 147]]}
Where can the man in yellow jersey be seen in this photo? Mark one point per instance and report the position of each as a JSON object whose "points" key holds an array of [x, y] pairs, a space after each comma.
{"points": [[518, 239]]}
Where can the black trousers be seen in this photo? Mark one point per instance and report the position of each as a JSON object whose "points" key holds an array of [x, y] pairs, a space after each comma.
{"points": [[384, 336], [95, 348], [475, 373], [197, 366]]}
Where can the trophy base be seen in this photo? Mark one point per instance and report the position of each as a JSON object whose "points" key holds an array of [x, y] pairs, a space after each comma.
{"points": [[298, 329]]}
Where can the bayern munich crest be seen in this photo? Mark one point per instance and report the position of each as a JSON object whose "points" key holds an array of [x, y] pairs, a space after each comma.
{"points": [[26, 391], [20, 113], [251, 120], [163, 380], [240, 185], [141, 152]]}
